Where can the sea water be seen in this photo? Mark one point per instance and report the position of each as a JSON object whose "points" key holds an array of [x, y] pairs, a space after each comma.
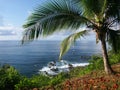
{"points": [[32, 57]]}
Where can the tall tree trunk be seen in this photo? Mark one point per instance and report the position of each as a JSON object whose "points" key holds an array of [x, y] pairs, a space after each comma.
{"points": [[107, 66]]}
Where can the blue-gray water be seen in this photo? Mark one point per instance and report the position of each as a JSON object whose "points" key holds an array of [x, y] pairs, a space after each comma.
{"points": [[30, 58]]}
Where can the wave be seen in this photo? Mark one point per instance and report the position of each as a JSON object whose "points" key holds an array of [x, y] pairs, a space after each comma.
{"points": [[54, 68]]}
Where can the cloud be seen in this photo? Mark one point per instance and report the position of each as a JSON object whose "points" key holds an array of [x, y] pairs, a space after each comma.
{"points": [[10, 32], [7, 32], [7, 27]]}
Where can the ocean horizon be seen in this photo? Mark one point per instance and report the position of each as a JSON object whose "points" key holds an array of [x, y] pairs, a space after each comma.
{"points": [[29, 58]]}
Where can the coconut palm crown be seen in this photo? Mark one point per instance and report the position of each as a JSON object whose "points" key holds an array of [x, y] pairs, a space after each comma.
{"points": [[100, 16]]}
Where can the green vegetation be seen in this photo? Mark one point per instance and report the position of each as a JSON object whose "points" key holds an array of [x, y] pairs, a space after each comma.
{"points": [[9, 76], [35, 81], [10, 79], [114, 58]]}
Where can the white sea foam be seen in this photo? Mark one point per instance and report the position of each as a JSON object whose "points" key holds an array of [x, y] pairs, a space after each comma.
{"points": [[58, 67], [45, 69], [80, 64]]}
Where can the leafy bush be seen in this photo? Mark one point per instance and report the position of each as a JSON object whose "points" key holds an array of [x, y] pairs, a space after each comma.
{"points": [[59, 78], [75, 72], [96, 63], [8, 77], [40, 81], [24, 83], [114, 58], [35, 81]]}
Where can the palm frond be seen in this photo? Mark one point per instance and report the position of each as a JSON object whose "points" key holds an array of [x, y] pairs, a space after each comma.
{"points": [[113, 9], [114, 40], [67, 42], [53, 16], [32, 33], [93, 7]]}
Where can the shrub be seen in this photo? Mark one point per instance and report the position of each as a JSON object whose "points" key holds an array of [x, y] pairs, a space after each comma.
{"points": [[114, 58], [33, 82], [96, 63], [75, 72], [9, 76], [59, 78]]}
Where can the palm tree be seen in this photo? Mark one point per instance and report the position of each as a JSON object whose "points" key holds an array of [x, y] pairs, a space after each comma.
{"points": [[100, 16]]}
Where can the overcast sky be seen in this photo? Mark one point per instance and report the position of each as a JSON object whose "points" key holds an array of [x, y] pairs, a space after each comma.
{"points": [[13, 14]]}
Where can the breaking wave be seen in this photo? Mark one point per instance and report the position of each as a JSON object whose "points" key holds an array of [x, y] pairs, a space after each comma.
{"points": [[54, 68]]}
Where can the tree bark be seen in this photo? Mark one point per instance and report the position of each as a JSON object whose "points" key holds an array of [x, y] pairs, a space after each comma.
{"points": [[107, 66]]}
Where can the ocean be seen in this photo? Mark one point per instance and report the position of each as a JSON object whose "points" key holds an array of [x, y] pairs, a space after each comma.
{"points": [[30, 58]]}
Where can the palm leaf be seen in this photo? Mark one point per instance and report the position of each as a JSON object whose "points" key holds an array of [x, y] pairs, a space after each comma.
{"points": [[114, 40], [113, 9], [67, 42], [93, 7], [32, 33], [53, 16]]}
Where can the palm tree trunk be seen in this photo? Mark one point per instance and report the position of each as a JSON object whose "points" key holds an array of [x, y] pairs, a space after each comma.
{"points": [[107, 66]]}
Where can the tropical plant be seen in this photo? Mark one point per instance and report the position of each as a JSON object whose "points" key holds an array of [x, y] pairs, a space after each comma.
{"points": [[100, 16], [9, 77]]}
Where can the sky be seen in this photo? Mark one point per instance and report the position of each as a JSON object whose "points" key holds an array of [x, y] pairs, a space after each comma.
{"points": [[13, 14]]}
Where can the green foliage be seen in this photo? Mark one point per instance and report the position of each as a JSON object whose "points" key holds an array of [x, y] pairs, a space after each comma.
{"points": [[35, 81], [114, 40], [96, 63], [92, 7], [40, 81], [114, 58], [8, 77], [24, 83], [75, 72], [59, 78]]}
